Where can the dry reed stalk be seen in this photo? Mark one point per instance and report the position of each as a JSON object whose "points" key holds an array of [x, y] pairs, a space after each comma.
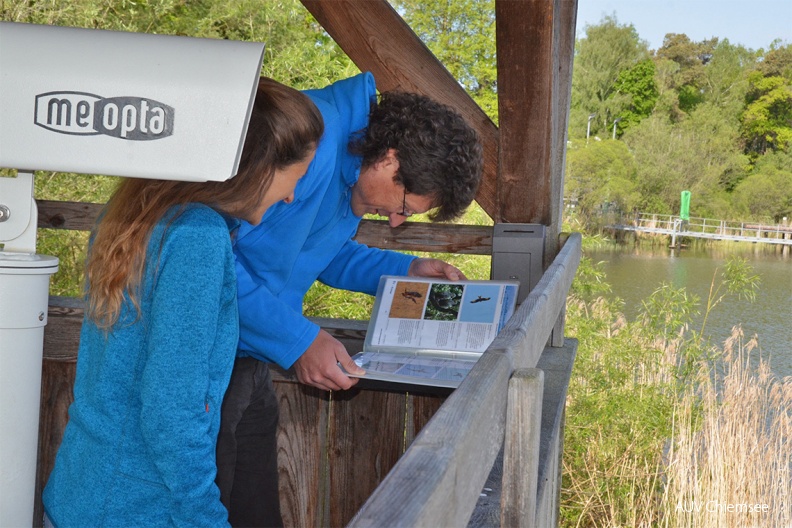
{"points": [[730, 459]]}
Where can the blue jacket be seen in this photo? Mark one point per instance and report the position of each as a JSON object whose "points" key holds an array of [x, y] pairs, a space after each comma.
{"points": [[311, 238], [139, 448]]}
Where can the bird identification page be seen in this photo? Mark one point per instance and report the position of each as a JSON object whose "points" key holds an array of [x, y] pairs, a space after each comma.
{"points": [[432, 331]]}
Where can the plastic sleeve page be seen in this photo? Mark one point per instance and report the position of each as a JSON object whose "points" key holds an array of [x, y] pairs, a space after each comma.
{"points": [[434, 370], [462, 316]]}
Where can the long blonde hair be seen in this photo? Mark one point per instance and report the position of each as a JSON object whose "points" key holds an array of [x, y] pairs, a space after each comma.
{"points": [[285, 126]]}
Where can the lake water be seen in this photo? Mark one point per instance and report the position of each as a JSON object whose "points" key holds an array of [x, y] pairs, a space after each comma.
{"points": [[634, 273]]}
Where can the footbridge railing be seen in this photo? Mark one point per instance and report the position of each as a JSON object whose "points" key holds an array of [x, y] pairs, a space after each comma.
{"points": [[708, 228]]}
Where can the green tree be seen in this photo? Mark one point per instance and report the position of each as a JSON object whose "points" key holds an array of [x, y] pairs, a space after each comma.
{"points": [[608, 49], [724, 82], [766, 194], [767, 119], [777, 62], [461, 34], [600, 173], [298, 51], [693, 155], [685, 75], [638, 82]]}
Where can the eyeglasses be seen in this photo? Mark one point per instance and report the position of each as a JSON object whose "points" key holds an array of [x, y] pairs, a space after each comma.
{"points": [[404, 212]]}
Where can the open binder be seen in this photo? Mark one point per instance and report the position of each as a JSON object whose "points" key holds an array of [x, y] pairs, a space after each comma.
{"points": [[431, 331]]}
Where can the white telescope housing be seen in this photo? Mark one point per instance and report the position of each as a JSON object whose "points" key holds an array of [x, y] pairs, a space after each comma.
{"points": [[95, 102], [124, 104]]}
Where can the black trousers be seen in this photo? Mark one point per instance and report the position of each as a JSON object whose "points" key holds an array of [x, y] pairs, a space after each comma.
{"points": [[247, 453]]}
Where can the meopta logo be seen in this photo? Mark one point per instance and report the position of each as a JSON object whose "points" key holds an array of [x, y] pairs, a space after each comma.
{"points": [[79, 113]]}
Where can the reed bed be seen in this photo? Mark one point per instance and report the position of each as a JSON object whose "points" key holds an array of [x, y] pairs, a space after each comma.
{"points": [[730, 456], [665, 429]]}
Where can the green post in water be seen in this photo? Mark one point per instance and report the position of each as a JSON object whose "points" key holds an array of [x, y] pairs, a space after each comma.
{"points": [[684, 206]]}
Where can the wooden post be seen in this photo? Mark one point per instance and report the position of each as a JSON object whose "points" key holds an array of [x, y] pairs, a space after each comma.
{"points": [[535, 45], [521, 448]]}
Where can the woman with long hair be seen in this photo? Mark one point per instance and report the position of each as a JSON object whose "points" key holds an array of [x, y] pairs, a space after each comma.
{"points": [[160, 332]]}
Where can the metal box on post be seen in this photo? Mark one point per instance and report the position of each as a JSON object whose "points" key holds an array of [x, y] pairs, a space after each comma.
{"points": [[517, 254]]}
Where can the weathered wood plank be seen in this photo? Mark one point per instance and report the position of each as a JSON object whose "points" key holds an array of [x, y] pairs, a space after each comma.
{"points": [[422, 236], [78, 216], [412, 236], [65, 315], [57, 381], [524, 36], [563, 53], [436, 481], [521, 448], [62, 333], [365, 441], [302, 454], [557, 365], [420, 409], [376, 38]]}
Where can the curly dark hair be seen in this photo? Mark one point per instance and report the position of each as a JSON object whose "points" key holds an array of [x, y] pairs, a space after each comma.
{"points": [[439, 154]]}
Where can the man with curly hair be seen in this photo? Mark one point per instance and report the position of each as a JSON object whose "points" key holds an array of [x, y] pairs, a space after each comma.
{"points": [[393, 156]]}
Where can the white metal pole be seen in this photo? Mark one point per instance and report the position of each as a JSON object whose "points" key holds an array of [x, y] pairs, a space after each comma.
{"points": [[24, 294]]}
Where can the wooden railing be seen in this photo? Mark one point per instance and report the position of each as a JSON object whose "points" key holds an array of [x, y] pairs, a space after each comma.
{"points": [[437, 482], [381, 455]]}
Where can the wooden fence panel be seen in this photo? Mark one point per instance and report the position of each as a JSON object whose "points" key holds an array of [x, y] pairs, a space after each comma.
{"points": [[302, 434], [366, 432], [331, 452], [420, 409], [57, 381]]}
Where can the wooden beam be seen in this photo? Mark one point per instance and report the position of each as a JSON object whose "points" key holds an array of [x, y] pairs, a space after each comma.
{"points": [[65, 316], [524, 36], [378, 40], [563, 54], [422, 236], [410, 236]]}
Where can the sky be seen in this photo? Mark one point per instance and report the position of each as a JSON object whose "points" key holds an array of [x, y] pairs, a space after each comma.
{"points": [[752, 23]]}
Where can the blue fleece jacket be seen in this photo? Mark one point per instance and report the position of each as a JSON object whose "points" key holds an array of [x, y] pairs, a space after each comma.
{"points": [[311, 238], [139, 448]]}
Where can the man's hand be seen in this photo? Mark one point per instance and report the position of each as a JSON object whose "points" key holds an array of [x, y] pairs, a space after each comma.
{"points": [[318, 366], [434, 268]]}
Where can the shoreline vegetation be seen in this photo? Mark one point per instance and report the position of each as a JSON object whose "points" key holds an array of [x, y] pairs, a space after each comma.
{"points": [[665, 428]]}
